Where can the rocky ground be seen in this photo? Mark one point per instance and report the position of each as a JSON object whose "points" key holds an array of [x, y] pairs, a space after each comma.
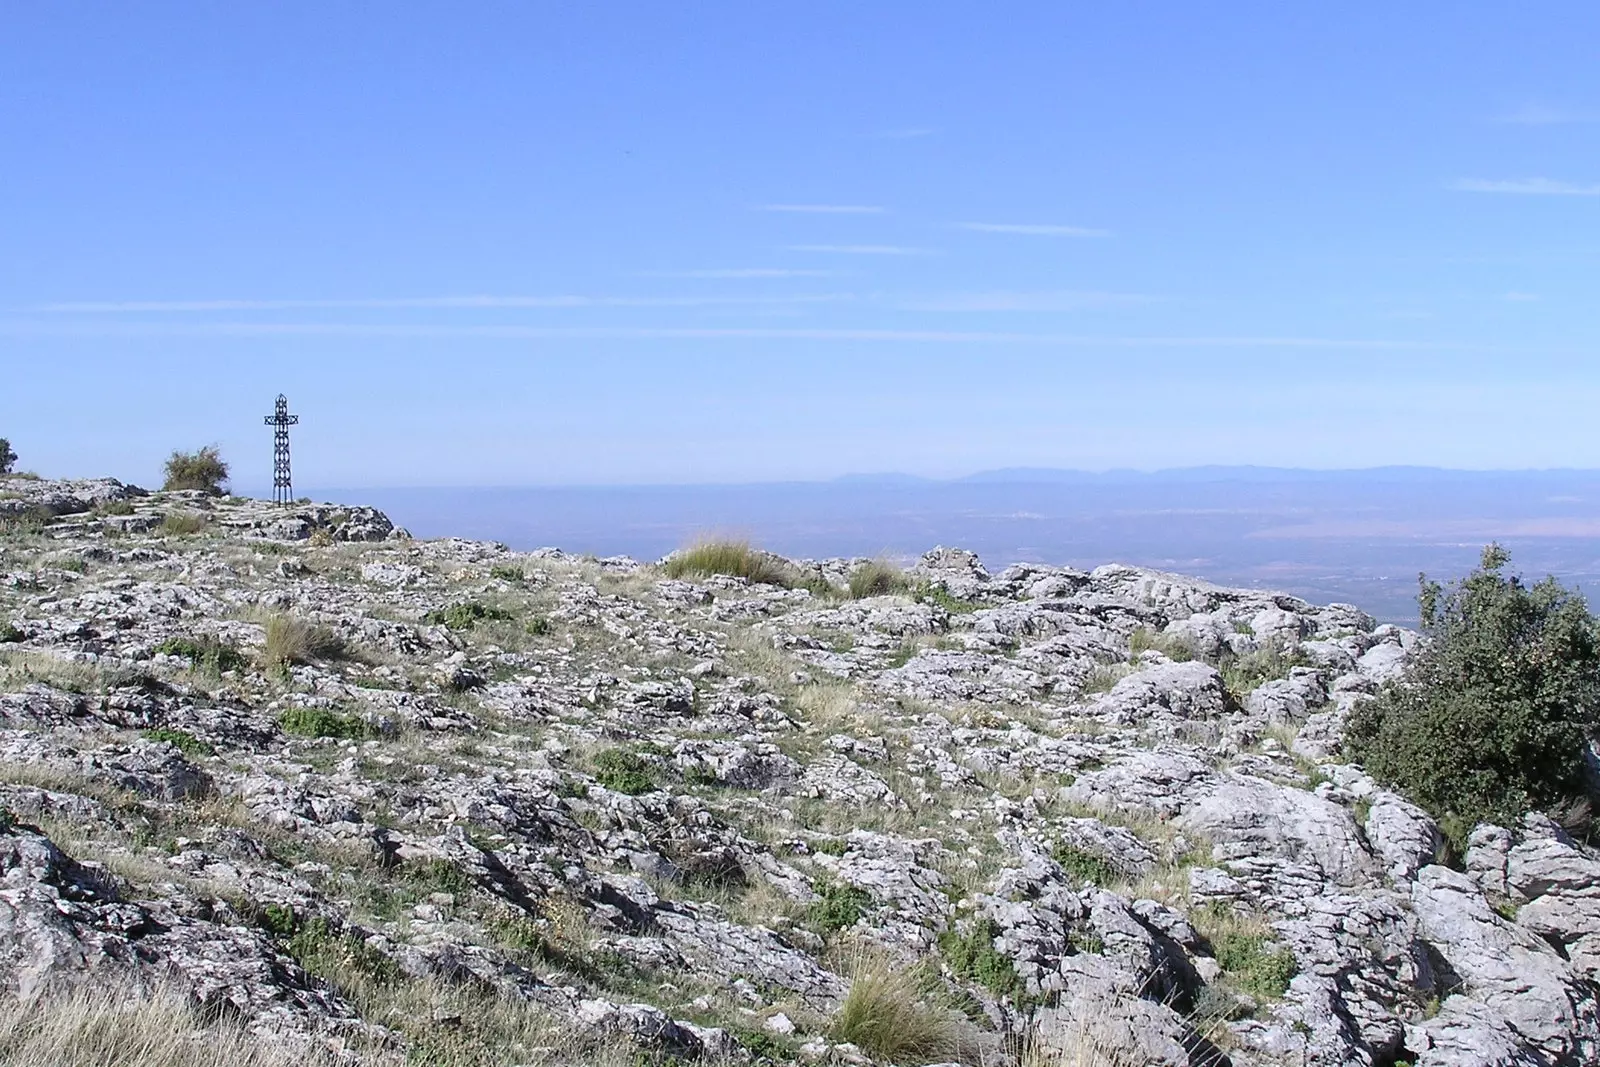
{"points": [[390, 797]]}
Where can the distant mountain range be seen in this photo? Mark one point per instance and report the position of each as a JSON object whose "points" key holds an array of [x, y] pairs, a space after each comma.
{"points": [[1218, 473]]}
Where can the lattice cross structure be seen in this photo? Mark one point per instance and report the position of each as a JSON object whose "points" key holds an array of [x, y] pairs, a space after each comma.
{"points": [[280, 420]]}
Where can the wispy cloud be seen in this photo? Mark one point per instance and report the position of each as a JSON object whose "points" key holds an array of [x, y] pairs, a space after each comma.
{"points": [[1540, 115], [1061, 300], [1526, 187], [647, 333], [1034, 229], [863, 250], [430, 302], [741, 272], [907, 134], [824, 209]]}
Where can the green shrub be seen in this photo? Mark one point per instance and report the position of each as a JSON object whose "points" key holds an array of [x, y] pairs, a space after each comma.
{"points": [[888, 1016], [1083, 865], [733, 558], [507, 573], [183, 523], [8, 458], [622, 771], [279, 920], [320, 722], [182, 740], [877, 578], [972, 955], [10, 634], [839, 908], [1493, 717], [206, 652], [465, 615], [203, 470], [539, 626]]}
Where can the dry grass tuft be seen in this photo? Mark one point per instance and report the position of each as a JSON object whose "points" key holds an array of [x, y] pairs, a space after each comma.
{"points": [[293, 640], [877, 578], [887, 1015], [734, 558], [110, 1026]]}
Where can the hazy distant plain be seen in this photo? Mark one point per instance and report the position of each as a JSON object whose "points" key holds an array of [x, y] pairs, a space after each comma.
{"points": [[1354, 536]]}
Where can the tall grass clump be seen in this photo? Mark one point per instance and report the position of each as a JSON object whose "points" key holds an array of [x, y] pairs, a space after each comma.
{"points": [[291, 640], [110, 1026], [877, 578], [204, 470], [733, 558], [183, 523], [888, 1016]]}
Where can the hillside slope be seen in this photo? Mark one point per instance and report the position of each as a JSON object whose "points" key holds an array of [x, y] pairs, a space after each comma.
{"points": [[386, 800]]}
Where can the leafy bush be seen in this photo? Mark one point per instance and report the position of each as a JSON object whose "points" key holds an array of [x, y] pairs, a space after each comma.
{"points": [[972, 955], [734, 558], [465, 615], [292, 640], [182, 740], [876, 578], [507, 573], [206, 652], [539, 626], [888, 1016], [840, 907], [1242, 674], [320, 722], [8, 458], [622, 771], [1493, 716], [203, 470], [10, 634]]}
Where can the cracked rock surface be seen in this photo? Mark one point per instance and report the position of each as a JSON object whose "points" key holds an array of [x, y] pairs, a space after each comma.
{"points": [[305, 766]]}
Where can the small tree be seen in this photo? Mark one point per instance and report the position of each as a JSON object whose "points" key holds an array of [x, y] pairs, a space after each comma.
{"points": [[8, 458], [203, 470], [1494, 716]]}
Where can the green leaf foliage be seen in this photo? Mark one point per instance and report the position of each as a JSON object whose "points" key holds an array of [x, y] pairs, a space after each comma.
{"points": [[1493, 717]]}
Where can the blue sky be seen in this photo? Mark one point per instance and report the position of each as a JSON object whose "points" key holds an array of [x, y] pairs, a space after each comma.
{"points": [[540, 243]]}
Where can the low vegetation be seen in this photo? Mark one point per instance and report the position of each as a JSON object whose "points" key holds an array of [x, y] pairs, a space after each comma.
{"points": [[320, 722], [183, 523], [182, 740], [204, 470], [1251, 959], [877, 578], [291, 640], [1494, 715], [206, 653], [622, 771], [113, 1026], [838, 907], [971, 955], [465, 615], [888, 1015], [735, 559]]}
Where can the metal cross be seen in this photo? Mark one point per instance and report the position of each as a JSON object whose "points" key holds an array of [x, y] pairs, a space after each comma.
{"points": [[280, 420]]}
